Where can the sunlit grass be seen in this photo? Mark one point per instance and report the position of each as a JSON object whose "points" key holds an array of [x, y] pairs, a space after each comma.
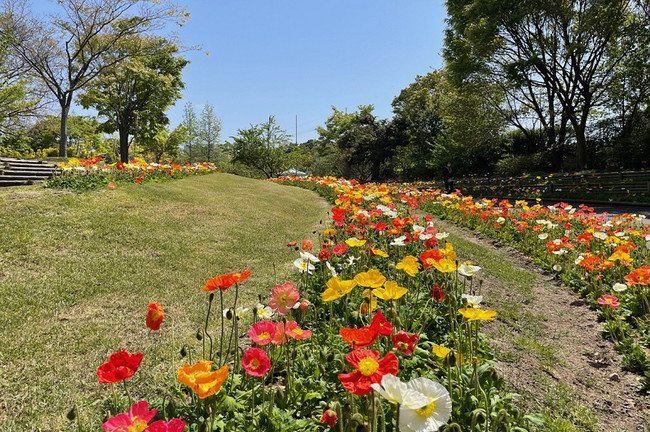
{"points": [[78, 271]]}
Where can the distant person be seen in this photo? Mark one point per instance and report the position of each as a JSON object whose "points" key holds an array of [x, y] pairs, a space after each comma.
{"points": [[448, 178]]}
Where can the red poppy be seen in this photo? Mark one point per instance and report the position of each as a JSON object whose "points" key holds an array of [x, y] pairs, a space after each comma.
{"points": [[256, 362], [340, 249], [405, 342], [437, 293], [359, 338], [155, 316], [307, 245], [222, 282], [240, 277], [329, 417], [324, 255], [120, 366], [291, 244], [138, 180], [430, 257], [382, 325], [370, 369]]}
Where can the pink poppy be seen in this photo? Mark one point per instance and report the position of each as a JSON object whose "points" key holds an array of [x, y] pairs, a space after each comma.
{"points": [[280, 335], [295, 332], [173, 425], [262, 332], [256, 362], [136, 419], [608, 300], [283, 298]]}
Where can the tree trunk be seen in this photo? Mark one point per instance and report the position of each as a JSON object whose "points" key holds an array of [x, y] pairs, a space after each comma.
{"points": [[124, 144], [581, 147], [63, 137]]}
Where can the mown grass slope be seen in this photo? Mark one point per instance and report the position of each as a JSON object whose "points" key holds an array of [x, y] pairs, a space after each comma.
{"points": [[78, 271]]}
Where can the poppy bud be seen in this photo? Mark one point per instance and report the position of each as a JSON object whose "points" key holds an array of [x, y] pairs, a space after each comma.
{"points": [[358, 419], [454, 427], [450, 359], [329, 417], [330, 356], [72, 414], [199, 335], [478, 417], [211, 297], [229, 314], [304, 305], [183, 352]]}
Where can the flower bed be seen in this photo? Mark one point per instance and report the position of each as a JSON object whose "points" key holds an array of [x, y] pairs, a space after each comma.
{"points": [[380, 332], [93, 173]]}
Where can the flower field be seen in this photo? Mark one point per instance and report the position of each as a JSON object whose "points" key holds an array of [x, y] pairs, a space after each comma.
{"points": [[93, 173], [379, 331]]}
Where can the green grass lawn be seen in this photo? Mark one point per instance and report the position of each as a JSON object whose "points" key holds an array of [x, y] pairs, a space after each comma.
{"points": [[78, 271]]}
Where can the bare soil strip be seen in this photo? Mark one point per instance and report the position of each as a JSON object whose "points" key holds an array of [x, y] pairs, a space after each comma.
{"points": [[549, 347]]}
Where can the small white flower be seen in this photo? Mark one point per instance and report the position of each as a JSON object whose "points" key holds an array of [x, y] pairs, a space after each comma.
{"points": [[306, 256], [398, 241], [472, 300], [600, 235], [442, 235], [467, 269], [418, 228], [425, 237], [619, 287], [647, 238], [557, 267], [263, 312], [240, 311], [501, 219], [332, 269], [579, 260], [561, 252], [557, 242], [542, 236], [304, 266]]}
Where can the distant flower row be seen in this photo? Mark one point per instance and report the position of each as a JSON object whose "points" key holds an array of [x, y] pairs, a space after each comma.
{"points": [[93, 173]]}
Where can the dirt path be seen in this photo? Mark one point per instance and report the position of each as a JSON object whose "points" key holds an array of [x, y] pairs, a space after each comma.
{"points": [[549, 346]]}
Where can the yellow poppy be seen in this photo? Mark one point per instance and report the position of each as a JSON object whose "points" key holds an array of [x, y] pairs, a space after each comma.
{"points": [[202, 379], [391, 291], [445, 265], [355, 242], [337, 288], [329, 232], [371, 279], [410, 265], [474, 314], [368, 298], [449, 251], [380, 253]]}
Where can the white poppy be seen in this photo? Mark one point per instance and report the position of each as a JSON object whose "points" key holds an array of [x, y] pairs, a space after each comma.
{"points": [[619, 287], [306, 256], [467, 269], [263, 312], [442, 235], [472, 300], [397, 392], [332, 269], [304, 266], [430, 417], [600, 235], [398, 241], [542, 236], [501, 219]]}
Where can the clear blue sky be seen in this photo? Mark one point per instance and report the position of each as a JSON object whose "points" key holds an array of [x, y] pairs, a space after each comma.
{"points": [[300, 57]]}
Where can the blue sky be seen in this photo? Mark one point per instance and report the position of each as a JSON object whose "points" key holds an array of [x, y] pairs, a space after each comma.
{"points": [[300, 57]]}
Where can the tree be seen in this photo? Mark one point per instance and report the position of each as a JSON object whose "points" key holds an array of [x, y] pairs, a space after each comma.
{"points": [[553, 60], [83, 134], [18, 98], [209, 130], [262, 147], [134, 95], [364, 142], [418, 117], [165, 143], [191, 127], [81, 42]]}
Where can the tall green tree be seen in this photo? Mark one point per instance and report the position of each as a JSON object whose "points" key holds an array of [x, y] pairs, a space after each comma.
{"points": [[418, 117], [209, 131], [364, 142], [133, 97], [165, 143], [80, 41], [191, 123], [262, 147]]}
